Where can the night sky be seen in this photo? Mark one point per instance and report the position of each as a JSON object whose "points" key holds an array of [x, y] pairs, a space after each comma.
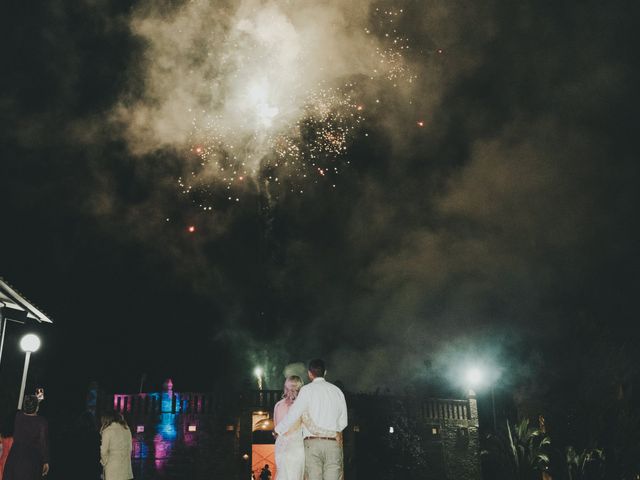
{"points": [[478, 206]]}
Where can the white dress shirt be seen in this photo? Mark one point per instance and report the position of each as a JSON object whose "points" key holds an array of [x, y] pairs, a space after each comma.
{"points": [[325, 406]]}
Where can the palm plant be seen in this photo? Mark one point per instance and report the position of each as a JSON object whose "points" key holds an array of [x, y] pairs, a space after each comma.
{"points": [[587, 465], [529, 447], [521, 453]]}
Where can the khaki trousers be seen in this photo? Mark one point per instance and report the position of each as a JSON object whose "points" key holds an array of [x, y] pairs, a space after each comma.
{"points": [[322, 460]]}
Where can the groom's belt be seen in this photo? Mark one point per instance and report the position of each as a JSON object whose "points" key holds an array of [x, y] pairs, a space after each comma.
{"points": [[319, 438]]}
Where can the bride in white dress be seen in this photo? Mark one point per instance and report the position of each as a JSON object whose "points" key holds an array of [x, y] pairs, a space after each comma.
{"points": [[290, 446]]}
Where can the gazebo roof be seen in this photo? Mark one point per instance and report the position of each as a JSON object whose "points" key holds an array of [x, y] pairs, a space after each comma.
{"points": [[16, 307]]}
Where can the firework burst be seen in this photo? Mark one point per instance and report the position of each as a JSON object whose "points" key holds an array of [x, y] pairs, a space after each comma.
{"points": [[270, 92]]}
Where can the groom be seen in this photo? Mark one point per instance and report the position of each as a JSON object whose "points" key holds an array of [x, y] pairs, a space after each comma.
{"points": [[323, 410]]}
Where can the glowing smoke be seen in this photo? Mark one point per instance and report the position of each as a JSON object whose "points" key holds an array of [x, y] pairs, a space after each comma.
{"points": [[298, 368], [239, 81]]}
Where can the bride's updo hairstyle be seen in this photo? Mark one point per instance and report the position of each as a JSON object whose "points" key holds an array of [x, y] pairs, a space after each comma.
{"points": [[292, 386]]}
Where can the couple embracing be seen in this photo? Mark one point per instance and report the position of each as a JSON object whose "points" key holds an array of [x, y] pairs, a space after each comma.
{"points": [[308, 426]]}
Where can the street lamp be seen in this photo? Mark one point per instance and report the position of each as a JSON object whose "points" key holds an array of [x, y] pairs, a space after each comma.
{"points": [[477, 377], [29, 343]]}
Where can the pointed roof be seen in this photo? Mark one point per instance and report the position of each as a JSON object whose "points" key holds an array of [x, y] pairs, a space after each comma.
{"points": [[16, 307]]}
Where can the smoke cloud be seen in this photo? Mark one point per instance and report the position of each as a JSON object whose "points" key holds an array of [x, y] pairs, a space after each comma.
{"points": [[484, 205], [236, 75]]}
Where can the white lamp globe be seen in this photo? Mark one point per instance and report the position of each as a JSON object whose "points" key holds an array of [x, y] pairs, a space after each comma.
{"points": [[258, 372], [475, 376], [30, 343]]}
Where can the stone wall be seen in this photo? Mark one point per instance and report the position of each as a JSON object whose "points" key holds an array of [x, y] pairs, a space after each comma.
{"points": [[412, 438]]}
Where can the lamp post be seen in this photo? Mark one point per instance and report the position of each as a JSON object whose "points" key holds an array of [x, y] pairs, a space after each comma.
{"points": [[29, 343], [477, 377]]}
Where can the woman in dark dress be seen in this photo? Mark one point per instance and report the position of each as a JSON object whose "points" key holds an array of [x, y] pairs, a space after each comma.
{"points": [[29, 456]]}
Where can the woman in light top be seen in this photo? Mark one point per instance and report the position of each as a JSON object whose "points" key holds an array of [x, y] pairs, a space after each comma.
{"points": [[115, 449], [289, 447]]}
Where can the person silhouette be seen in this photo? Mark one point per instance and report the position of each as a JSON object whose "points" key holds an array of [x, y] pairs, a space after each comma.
{"points": [[29, 456], [265, 474]]}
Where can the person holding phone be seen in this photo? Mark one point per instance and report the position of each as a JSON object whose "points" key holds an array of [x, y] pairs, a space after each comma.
{"points": [[29, 455]]}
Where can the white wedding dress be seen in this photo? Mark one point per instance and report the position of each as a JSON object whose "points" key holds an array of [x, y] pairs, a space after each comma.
{"points": [[289, 448]]}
